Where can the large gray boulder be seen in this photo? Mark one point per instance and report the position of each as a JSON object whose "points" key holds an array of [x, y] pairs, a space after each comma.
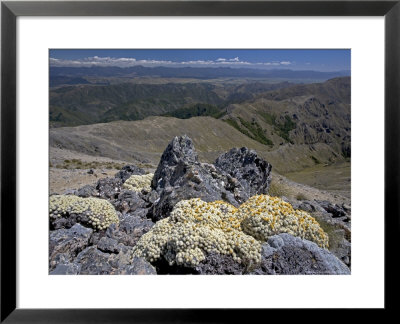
{"points": [[181, 176], [289, 255]]}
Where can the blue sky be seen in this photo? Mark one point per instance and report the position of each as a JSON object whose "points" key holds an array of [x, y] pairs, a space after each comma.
{"points": [[317, 60]]}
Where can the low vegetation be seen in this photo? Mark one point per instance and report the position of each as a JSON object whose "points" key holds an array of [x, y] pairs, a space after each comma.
{"points": [[79, 164], [195, 111], [282, 129], [257, 133]]}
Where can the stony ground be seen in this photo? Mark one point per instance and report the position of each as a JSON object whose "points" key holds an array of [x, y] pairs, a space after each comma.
{"points": [[320, 184], [70, 170], [282, 186]]}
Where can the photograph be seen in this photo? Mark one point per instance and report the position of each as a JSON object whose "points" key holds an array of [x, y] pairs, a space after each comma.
{"points": [[199, 161]]}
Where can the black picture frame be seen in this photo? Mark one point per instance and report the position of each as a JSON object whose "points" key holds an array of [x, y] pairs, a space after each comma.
{"points": [[10, 10]]}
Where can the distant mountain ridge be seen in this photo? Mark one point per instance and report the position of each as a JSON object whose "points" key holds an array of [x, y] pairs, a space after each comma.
{"points": [[191, 72], [83, 104], [299, 114]]}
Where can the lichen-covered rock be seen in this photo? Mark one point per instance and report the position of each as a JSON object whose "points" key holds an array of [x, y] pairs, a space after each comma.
{"points": [[130, 229], [264, 216], [334, 209], [109, 188], [245, 166], [127, 171], [180, 176], [129, 201], [92, 261], [179, 152], [139, 266], [217, 264], [65, 244], [139, 182], [286, 254], [66, 210], [87, 191], [108, 245], [66, 269]]}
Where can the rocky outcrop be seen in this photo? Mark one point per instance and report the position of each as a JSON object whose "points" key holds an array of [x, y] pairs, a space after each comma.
{"points": [[245, 166], [286, 254], [197, 238], [180, 176]]}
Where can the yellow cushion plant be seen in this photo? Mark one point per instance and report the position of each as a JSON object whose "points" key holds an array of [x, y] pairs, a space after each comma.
{"points": [[195, 228], [138, 182], [99, 212]]}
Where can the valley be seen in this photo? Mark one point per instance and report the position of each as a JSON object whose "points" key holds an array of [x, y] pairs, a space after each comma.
{"points": [[303, 130]]}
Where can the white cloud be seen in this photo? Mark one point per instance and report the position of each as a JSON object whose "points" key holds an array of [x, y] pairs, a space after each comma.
{"points": [[130, 61]]}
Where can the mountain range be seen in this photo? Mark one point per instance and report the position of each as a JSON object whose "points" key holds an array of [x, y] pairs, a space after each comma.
{"points": [[191, 72]]}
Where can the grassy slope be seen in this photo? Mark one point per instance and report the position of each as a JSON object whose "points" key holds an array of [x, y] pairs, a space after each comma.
{"points": [[145, 140]]}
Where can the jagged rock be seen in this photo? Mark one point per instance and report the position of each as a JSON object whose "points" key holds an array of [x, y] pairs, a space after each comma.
{"points": [[333, 209], [92, 261], [97, 236], [246, 167], [129, 201], [286, 254], [178, 154], [346, 207], [65, 244], [307, 205], [108, 245], [67, 222], [217, 264], [129, 170], [139, 266], [87, 191], [129, 230], [109, 188], [151, 197], [181, 176], [66, 269]]}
